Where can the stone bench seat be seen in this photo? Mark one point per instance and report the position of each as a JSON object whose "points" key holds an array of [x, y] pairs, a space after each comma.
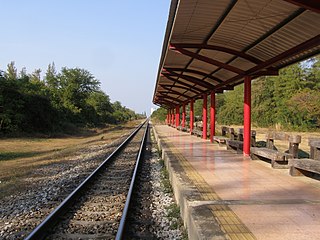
{"points": [[234, 145], [298, 166], [277, 159], [220, 139]]}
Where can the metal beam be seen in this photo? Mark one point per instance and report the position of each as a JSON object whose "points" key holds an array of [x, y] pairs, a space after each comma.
{"points": [[208, 60], [168, 90], [191, 79], [171, 98], [217, 48], [266, 35], [217, 25], [313, 42], [180, 82], [180, 87], [206, 75], [312, 5], [165, 103]]}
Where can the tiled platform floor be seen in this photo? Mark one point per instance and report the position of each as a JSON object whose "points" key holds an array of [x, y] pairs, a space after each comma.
{"points": [[271, 203]]}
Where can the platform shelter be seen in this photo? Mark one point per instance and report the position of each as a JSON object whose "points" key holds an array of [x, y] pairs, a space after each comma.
{"points": [[212, 46]]}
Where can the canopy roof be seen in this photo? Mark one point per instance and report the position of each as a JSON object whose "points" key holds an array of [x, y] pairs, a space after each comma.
{"points": [[211, 45]]}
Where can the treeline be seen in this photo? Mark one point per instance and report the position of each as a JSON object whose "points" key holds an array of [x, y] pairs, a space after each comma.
{"points": [[289, 101], [60, 101]]}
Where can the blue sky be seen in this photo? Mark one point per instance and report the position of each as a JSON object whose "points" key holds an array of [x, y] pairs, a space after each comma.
{"points": [[119, 42]]}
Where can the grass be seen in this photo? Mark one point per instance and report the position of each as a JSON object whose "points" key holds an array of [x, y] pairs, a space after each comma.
{"points": [[165, 182], [5, 156], [20, 157]]}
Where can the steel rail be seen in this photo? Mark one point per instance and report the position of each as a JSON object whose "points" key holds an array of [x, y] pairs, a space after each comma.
{"points": [[128, 199], [41, 230]]}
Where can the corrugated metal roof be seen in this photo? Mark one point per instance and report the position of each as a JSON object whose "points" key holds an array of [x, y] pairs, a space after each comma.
{"points": [[214, 44]]}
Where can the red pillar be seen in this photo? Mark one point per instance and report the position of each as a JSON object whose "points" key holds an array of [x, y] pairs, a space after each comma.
{"points": [[204, 116], [184, 115], [172, 117], [177, 116], [247, 116], [212, 115], [191, 115]]}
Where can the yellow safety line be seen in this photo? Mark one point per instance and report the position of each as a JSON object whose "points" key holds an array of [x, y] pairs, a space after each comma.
{"points": [[229, 222]]}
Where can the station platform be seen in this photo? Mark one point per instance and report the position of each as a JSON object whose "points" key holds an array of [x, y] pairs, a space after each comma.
{"points": [[224, 195]]}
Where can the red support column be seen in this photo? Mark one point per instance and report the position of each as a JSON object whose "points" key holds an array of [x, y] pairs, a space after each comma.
{"points": [[212, 115], [172, 117], [191, 116], [184, 115], [204, 116], [247, 116], [177, 116]]}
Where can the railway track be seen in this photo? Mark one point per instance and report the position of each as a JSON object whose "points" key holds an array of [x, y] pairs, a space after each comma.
{"points": [[97, 208]]}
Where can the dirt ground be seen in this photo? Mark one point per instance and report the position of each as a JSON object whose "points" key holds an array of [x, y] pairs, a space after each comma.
{"points": [[22, 156]]}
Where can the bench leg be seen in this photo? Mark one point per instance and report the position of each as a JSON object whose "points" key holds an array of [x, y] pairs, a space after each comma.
{"points": [[239, 150], [279, 164], [295, 171], [254, 157]]}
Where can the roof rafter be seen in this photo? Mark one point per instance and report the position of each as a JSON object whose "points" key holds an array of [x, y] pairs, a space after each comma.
{"points": [[198, 72], [169, 77], [181, 87], [190, 79], [313, 42], [310, 5], [168, 90], [164, 96], [165, 102], [266, 35], [208, 60], [217, 48]]}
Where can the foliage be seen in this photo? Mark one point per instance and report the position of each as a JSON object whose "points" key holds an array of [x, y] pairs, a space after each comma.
{"points": [[71, 97], [231, 112], [290, 100], [159, 115]]}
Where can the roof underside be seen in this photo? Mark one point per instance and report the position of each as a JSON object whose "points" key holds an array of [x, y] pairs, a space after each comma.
{"points": [[211, 45]]}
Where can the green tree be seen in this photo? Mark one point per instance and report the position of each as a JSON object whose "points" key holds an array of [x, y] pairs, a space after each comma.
{"points": [[102, 106], [232, 110], [263, 102], [76, 85], [159, 115], [11, 71]]}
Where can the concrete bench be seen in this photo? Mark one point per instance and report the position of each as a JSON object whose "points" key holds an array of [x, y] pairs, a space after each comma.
{"points": [[197, 132], [234, 145], [223, 138], [237, 142], [299, 167], [305, 166], [270, 153], [183, 129], [314, 144], [253, 136]]}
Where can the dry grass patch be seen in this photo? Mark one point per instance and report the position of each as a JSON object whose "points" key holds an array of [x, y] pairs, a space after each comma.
{"points": [[20, 157]]}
